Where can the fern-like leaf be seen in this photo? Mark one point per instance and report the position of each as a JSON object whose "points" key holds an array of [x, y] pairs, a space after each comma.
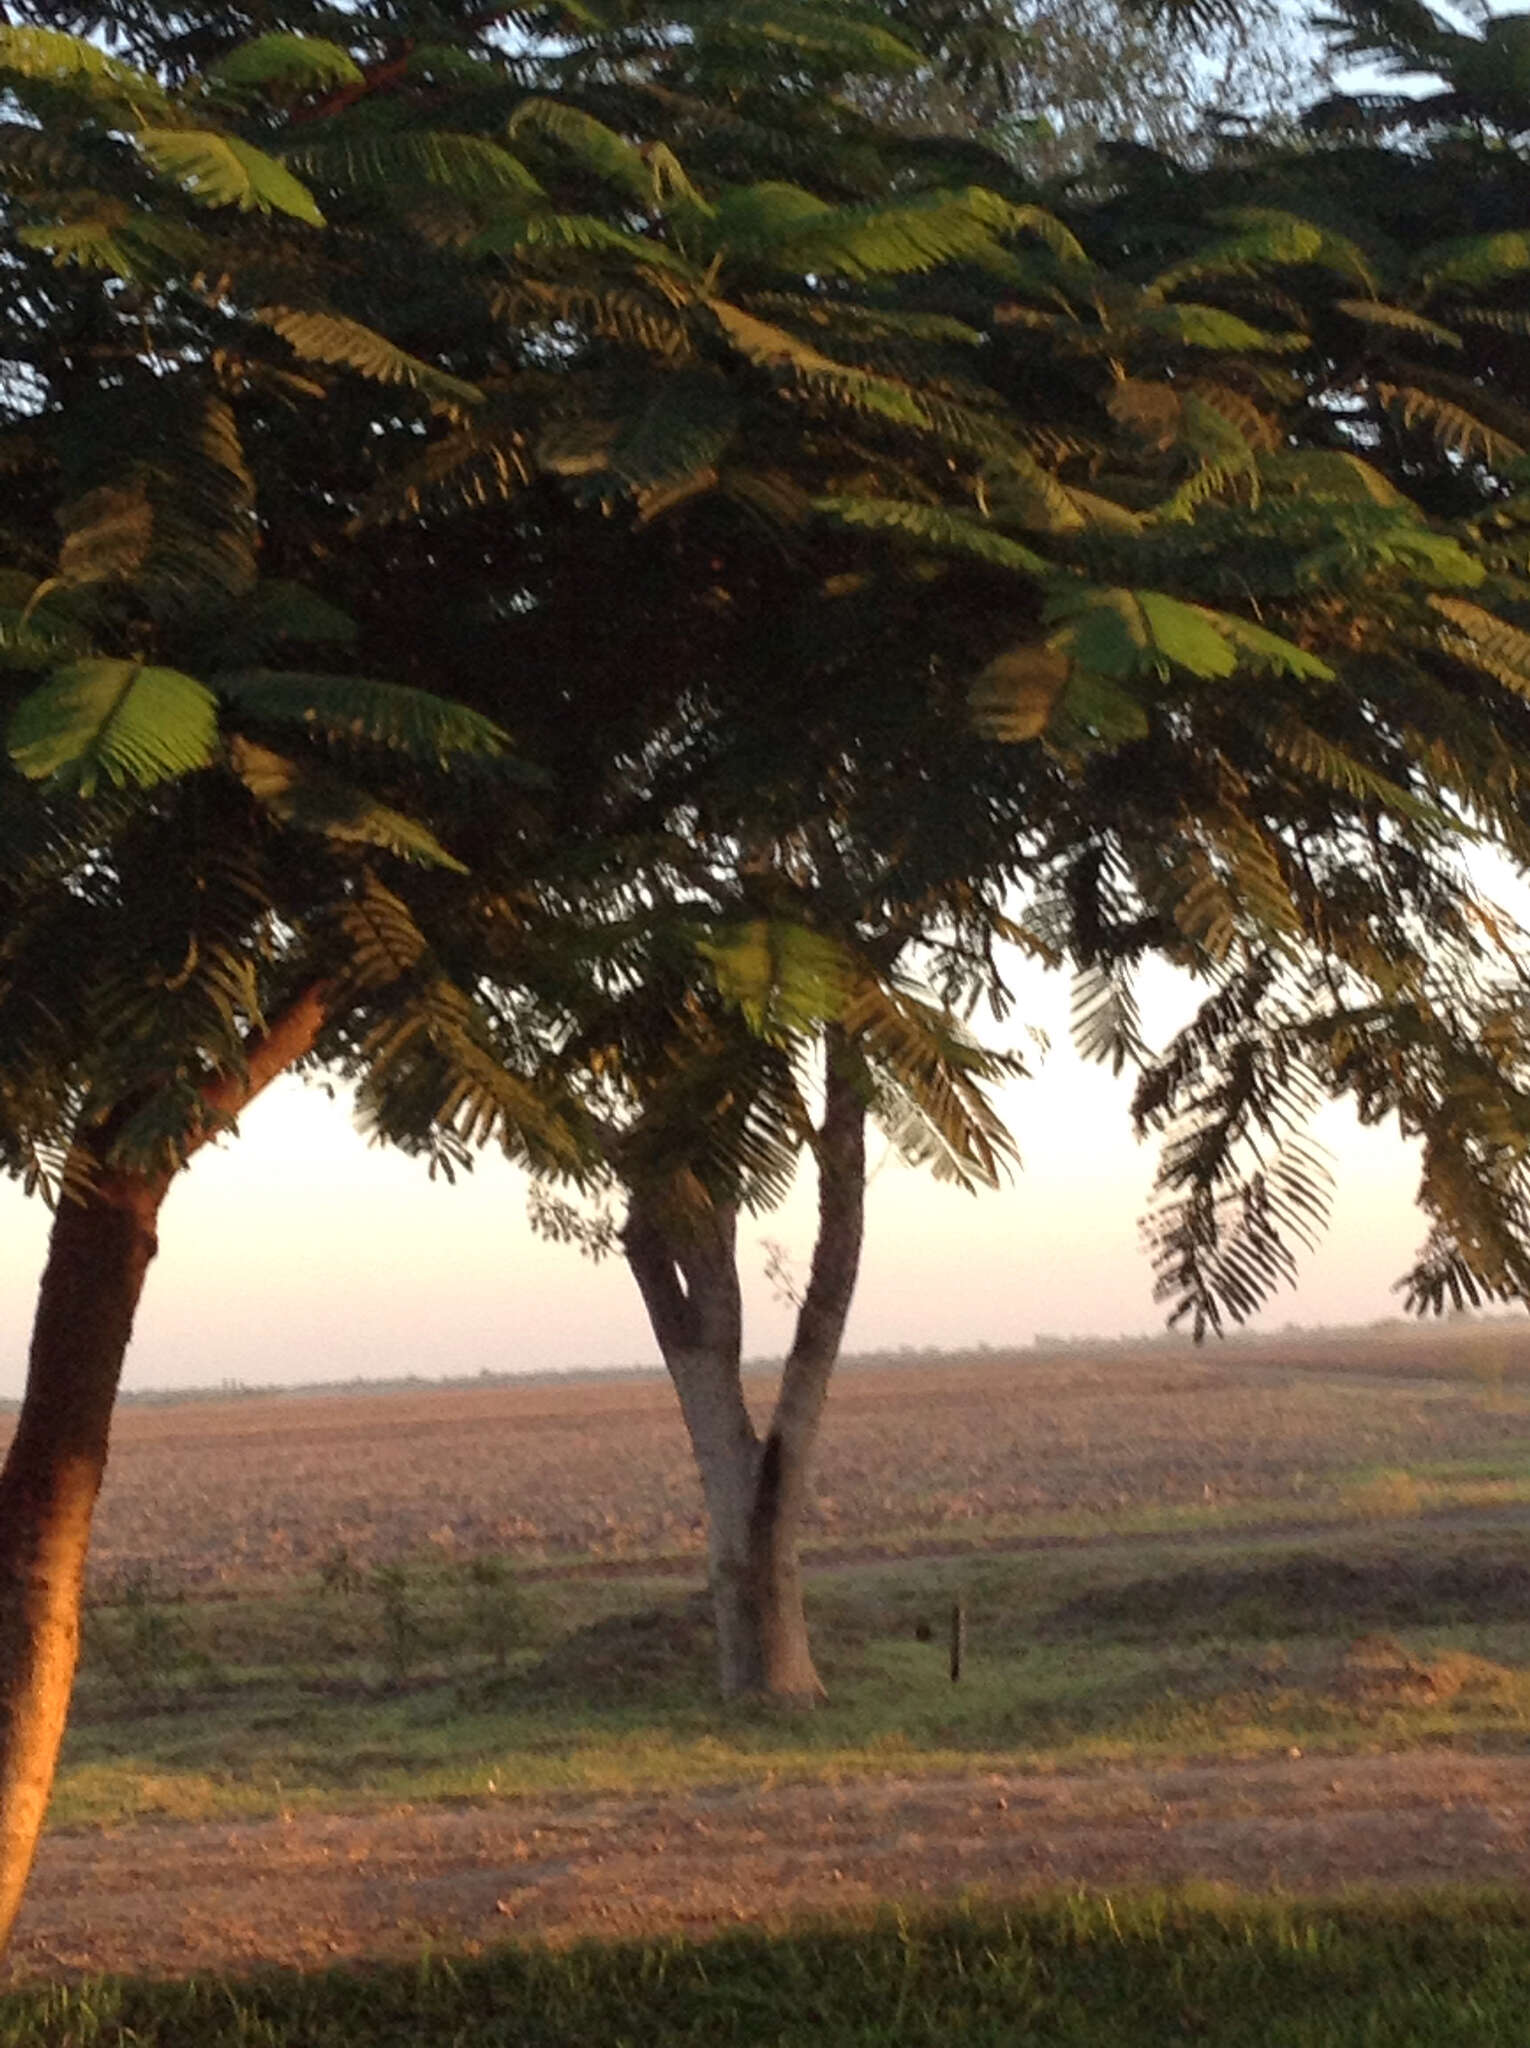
{"points": [[1451, 425], [289, 62], [114, 721], [594, 147], [49, 57], [314, 800], [222, 170], [934, 527], [322, 337], [413, 722], [1374, 313], [470, 166]]}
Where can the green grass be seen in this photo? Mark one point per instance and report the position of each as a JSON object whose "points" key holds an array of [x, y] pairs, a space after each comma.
{"points": [[1113, 1650], [1133, 1972]]}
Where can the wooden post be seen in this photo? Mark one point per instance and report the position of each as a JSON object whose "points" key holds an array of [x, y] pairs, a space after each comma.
{"points": [[958, 1636]]}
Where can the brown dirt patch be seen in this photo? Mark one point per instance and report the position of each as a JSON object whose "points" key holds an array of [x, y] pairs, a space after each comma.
{"points": [[323, 1889]]}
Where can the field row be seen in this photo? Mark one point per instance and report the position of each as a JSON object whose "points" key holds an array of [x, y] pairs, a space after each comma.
{"points": [[244, 1490]]}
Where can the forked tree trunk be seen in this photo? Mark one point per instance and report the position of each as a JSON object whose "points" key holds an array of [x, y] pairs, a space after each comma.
{"points": [[104, 1237], [755, 1515], [757, 1490]]}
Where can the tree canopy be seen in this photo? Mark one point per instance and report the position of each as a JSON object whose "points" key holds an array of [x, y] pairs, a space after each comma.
{"points": [[573, 553]]}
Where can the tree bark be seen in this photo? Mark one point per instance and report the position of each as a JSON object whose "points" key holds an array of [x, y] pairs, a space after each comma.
{"points": [[757, 1490], [103, 1239], [98, 1254]]}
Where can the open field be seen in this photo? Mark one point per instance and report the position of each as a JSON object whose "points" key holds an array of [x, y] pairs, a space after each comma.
{"points": [[1161, 1554], [221, 1493], [463, 1630]]}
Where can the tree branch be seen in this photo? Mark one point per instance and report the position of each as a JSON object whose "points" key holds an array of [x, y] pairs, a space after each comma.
{"points": [[841, 1157], [293, 1032], [653, 1268]]}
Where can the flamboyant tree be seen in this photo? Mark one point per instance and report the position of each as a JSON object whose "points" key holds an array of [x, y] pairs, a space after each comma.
{"points": [[1236, 592], [837, 449], [197, 835], [1170, 576], [205, 385], [635, 314]]}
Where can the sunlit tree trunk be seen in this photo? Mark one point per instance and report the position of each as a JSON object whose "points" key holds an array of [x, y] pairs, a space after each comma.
{"points": [[757, 1488], [104, 1237], [98, 1255]]}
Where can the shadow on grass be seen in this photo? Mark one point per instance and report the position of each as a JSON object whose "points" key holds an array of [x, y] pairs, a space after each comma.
{"points": [[1308, 1593], [1139, 1971]]}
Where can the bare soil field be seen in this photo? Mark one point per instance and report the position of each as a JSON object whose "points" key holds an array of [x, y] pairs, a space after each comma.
{"points": [[319, 1890], [227, 1491]]}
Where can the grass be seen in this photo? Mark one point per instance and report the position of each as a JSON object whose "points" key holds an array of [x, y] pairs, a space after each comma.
{"points": [[1115, 1649], [1133, 1972]]}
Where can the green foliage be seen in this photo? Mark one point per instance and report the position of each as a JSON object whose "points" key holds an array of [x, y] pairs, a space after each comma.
{"points": [[402, 1636], [1161, 483], [290, 63], [497, 1612], [471, 168], [45, 56], [783, 978], [936, 528], [412, 722], [118, 722], [594, 147], [223, 170], [315, 800]]}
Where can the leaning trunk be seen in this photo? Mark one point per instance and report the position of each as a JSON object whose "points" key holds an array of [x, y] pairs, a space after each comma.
{"points": [[98, 1256], [104, 1236]]}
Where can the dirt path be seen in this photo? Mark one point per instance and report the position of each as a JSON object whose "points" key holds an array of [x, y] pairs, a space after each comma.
{"points": [[324, 1888]]}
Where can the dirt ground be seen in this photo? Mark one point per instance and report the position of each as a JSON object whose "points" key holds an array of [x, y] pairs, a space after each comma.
{"points": [[220, 1494], [325, 1889]]}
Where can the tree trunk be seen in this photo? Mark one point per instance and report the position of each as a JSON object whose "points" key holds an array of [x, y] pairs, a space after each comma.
{"points": [[98, 1255], [104, 1237], [754, 1519], [757, 1492]]}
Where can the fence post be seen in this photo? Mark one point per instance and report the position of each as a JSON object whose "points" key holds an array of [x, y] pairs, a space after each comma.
{"points": [[958, 1636]]}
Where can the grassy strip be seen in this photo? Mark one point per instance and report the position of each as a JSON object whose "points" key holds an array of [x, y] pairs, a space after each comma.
{"points": [[1130, 1973], [1137, 1652]]}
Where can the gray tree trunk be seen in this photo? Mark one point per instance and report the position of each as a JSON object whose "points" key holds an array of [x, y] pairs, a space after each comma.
{"points": [[757, 1488]]}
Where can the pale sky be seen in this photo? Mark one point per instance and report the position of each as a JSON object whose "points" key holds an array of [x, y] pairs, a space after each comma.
{"points": [[296, 1252]]}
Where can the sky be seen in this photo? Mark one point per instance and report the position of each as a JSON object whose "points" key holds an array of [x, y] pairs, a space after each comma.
{"points": [[295, 1252]]}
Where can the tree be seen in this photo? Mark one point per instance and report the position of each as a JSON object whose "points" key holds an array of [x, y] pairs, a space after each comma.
{"points": [[837, 396], [195, 844], [1185, 591], [171, 941], [1415, 365], [1166, 811], [705, 1094]]}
